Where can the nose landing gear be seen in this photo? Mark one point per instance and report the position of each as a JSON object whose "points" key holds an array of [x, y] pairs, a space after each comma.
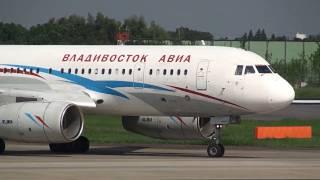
{"points": [[215, 149]]}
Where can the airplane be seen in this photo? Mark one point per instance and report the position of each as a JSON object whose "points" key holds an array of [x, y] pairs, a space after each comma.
{"points": [[168, 92]]}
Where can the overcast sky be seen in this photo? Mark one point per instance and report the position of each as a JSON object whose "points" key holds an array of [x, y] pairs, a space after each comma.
{"points": [[222, 18]]}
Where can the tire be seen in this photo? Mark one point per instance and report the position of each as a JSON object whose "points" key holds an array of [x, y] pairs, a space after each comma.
{"points": [[215, 150], [81, 145], [2, 146], [222, 149]]}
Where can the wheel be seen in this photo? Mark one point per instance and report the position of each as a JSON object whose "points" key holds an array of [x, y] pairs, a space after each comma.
{"points": [[222, 148], [215, 150], [81, 145], [58, 148], [2, 146]]}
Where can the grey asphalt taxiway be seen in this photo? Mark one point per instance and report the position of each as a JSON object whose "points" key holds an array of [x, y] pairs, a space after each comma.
{"points": [[25, 161]]}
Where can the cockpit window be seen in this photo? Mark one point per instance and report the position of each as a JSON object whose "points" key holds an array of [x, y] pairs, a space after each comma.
{"points": [[239, 70], [249, 70], [263, 69], [271, 68]]}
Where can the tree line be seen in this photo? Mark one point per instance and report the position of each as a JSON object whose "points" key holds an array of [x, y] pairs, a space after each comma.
{"points": [[98, 29]]}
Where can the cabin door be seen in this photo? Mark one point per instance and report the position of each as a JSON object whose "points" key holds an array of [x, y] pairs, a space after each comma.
{"points": [[202, 71], [138, 75]]}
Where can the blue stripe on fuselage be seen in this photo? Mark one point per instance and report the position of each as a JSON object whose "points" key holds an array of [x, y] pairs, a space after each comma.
{"points": [[104, 87]]}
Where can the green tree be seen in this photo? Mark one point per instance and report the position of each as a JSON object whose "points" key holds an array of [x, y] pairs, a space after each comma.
{"points": [[156, 32], [315, 63], [136, 26], [12, 34]]}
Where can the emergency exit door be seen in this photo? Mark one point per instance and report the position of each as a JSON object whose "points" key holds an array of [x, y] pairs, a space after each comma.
{"points": [[202, 71]]}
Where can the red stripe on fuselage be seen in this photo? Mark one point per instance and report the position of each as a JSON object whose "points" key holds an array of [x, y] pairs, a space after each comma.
{"points": [[14, 71], [207, 96]]}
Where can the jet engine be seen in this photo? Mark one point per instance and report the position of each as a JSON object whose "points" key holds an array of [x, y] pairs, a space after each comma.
{"points": [[165, 127], [46, 122]]}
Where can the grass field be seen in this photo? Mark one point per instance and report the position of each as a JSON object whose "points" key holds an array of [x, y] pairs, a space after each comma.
{"points": [[109, 130], [308, 92]]}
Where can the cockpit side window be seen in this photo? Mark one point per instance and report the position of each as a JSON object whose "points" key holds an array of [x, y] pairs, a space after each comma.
{"points": [[263, 69], [239, 70], [249, 70], [271, 68]]}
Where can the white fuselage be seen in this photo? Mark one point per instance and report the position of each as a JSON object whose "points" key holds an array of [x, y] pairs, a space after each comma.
{"points": [[149, 80]]}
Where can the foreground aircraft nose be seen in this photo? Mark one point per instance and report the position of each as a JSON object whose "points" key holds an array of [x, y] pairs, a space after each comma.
{"points": [[280, 95]]}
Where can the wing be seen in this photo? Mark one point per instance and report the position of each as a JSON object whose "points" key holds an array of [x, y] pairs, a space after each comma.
{"points": [[18, 89]]}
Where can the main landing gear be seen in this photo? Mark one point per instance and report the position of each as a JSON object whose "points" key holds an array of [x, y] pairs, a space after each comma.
{"points": [[81, 145], [215, 149], [2, 146]]}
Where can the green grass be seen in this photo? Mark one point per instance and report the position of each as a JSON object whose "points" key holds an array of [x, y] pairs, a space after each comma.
{"points": [[308, 92], [109, 130]]}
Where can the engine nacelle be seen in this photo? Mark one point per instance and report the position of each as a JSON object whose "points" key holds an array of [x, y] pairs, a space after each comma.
{"points": [[165, 127], [52, 122]]}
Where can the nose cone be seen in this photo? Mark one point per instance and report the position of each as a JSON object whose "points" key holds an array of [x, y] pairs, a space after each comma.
{"points": [[281, 94]]}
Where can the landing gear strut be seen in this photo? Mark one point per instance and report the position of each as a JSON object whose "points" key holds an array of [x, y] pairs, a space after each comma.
{"points": [[215, 148], [81, 145]]}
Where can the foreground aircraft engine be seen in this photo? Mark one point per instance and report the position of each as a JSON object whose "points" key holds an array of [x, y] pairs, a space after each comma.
{"points": [[58, 123], [165, 127]]}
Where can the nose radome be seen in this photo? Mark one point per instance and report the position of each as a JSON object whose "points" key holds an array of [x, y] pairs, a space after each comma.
{"points": [[281, 95]]}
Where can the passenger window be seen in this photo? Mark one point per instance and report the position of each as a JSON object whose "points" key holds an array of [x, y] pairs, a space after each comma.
{"points": [[110, 71], [249, 70], [171, 72], [102, 71], [123, 71], [50, 70], [38, 70], [62, 71], [96, 71], [130, 71], [82, 71], [185, 72], [164, 72], [69, 71], [76, 71], [263, 69], [158, 72], [239, 70], [89, 71], [178, 72], [150, 71]]}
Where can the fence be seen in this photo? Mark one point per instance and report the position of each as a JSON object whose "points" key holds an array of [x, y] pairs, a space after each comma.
{"points": [[273, 51]]}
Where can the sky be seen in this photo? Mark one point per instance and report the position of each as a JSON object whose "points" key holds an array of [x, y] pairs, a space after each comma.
{"points": [[223, 18]]}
